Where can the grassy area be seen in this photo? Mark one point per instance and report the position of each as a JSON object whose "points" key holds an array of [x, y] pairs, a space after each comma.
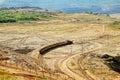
{"points": [[7, 77], [14, 16], [12, 77], [114, 25]]}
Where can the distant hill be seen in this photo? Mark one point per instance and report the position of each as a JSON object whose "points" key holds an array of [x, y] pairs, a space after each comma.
{"points": [[15, 8], [23, 14], [29, 9], [68, 6]]}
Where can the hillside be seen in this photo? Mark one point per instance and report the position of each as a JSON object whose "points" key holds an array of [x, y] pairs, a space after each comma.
{"points": [[10, 15]]}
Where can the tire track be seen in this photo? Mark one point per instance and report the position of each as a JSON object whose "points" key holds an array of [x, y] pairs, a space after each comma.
{"points": [[62, 64]]}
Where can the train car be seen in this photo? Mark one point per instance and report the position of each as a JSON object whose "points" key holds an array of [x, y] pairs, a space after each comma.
{"points": [[56, 45]]}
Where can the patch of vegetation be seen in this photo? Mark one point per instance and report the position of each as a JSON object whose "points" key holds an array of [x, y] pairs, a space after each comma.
{"points": [[73, 64], [104, 78], [2, 69], [44, 78], [7, 77], [7, 16], [114, 25], [92, 13]]}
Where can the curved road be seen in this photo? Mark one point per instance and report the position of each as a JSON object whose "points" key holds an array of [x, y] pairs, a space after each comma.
{"points": [[62, 64]]}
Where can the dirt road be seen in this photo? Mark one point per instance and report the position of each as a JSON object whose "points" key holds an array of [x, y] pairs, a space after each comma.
{"points": [[62, 64]]}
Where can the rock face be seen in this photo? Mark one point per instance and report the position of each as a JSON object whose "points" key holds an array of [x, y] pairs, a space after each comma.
{"points": [[112, 62]]}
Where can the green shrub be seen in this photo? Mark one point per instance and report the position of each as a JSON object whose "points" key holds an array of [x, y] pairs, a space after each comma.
{"points": [[114, 25], [7, 20], [16, 16]]}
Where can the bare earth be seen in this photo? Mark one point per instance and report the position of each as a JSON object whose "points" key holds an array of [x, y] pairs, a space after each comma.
{"points": [[69, 62]]}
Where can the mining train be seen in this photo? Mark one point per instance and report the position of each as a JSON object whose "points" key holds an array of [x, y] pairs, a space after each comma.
{"points": [[53, 46]]}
